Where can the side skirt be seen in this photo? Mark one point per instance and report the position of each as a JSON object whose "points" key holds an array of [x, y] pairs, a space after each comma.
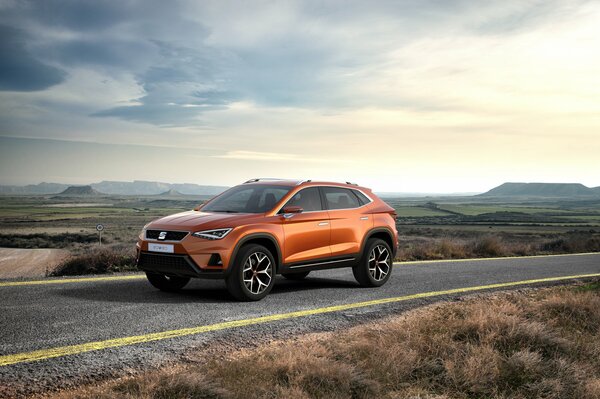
{"points": [[321, 264]]}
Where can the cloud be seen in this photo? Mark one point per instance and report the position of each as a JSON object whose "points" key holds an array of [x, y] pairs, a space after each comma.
{"points": [[259, 156], [420, 87], [180, 85], [19, 70]]}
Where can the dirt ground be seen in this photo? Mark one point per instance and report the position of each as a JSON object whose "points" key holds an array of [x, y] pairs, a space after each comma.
{"points": [[16, 263]]}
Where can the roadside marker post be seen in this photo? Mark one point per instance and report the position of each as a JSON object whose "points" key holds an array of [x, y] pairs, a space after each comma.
{"points": [[99, 228]]}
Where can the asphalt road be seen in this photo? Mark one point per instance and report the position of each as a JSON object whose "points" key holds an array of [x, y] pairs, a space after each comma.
{"points": [[132, 326]]}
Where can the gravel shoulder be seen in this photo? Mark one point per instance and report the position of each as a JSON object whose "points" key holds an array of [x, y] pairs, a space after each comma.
{"points": [[27, 263]]}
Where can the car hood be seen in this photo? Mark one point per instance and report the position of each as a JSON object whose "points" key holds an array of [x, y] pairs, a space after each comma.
{"points": [[196, 220]]}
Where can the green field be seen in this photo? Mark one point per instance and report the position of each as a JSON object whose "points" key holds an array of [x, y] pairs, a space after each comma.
{"points": [[464, 211], [472, 209], [123, 217], [417, 211], [419, 222]]}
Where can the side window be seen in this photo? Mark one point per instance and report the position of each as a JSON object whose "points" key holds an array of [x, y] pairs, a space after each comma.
{"points": [[363, 198], [269, 197], [340, 198], [308, 199]]}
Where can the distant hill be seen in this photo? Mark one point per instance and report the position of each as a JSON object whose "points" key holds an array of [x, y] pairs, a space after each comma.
{"points": [[41, 188], [553, 190], [80, 191], [136, 187], [171, 193], [139, 187]]}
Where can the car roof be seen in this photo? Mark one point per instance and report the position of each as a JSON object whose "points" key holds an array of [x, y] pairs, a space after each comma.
{"points": [[292, 182]]}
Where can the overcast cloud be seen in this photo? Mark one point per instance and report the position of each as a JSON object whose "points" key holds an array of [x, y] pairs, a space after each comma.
{"points": [[411, 84]]}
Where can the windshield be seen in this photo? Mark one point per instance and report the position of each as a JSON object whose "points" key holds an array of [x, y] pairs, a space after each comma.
{"points": [[254, 198]]}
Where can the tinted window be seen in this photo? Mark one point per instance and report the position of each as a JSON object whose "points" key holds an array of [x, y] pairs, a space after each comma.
{"points": [[253, 198], [308, 199], [340, 198], [270, 197], [363, 198]]}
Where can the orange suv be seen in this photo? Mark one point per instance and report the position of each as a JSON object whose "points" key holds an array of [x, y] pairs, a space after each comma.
{"points": [[264, 227]]}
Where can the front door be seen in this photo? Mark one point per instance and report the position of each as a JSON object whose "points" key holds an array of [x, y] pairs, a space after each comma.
{"points": [[307, 233]]}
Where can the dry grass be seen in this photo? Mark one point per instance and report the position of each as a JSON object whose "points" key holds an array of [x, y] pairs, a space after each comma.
{"points": [[492, 246], [95, 260], [537, 344]]}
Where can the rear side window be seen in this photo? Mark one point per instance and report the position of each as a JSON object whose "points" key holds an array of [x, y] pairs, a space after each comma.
{"points": [[362, 198], [308, 199], [340, 198]]}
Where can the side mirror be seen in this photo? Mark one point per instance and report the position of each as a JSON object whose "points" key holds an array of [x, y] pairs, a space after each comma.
{"points": [[290, 211]]}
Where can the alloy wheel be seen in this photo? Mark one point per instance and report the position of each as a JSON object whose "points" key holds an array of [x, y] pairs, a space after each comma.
{"points": [[379, 262], [257, 272]]}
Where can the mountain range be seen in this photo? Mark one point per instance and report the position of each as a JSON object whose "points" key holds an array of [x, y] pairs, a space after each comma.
{"points": [[543, 190], [137, 187]]}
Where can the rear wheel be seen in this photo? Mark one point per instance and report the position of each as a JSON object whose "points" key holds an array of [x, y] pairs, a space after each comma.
{"points": [[167, 283], [375, 267], [295, 276], [252, 275]]}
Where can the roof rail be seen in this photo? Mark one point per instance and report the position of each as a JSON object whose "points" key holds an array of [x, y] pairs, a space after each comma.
{"points": [[260, 179]]}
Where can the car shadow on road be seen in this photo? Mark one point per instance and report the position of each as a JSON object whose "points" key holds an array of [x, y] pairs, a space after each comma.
{"points": [[198, 291]]}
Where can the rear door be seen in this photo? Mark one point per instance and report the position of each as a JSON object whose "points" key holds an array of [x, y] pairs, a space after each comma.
{"points": [[350, 220], [307, 233]]}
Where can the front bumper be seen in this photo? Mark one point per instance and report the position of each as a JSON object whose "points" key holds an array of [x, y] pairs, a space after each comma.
{"points": [[174, 265]]}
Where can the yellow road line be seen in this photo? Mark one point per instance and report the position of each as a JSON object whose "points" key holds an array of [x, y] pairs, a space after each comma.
{"points": [[141, 276], [138, 339], [413, 262], [71, 280]]}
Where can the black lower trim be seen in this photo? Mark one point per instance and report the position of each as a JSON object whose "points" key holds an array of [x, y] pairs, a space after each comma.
{"points": [[173, 265], [332, 262]]}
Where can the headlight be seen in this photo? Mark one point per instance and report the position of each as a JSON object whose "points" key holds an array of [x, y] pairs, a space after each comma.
{"points": [[215, 234]]}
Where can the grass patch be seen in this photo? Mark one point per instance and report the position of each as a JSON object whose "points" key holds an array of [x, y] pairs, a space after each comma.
{"points": [[44, 240], [537, 344], [456, 246], [98, 261]]}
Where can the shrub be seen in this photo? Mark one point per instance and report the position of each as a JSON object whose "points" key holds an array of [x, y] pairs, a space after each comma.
{"points": [[97, 261], [488, 247], [44, 240]]}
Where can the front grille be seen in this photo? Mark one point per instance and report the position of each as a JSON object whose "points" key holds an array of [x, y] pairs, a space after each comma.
{"points": [[171, 235], [178, 265]]}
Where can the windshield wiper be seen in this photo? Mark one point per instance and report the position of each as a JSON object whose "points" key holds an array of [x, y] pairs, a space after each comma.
{"points": [[223, 210]]}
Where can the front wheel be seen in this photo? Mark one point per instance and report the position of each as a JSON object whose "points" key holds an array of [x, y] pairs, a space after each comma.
{"points": [[253, 273], [167, 283], [375, 267]]}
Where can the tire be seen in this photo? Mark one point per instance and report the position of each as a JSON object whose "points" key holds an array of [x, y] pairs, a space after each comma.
{"points": [[253, 274], [295, 276], [375, 266], [167, 283]]}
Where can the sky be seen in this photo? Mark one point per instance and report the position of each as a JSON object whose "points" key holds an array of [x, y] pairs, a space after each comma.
{"points": [[428, 96]]}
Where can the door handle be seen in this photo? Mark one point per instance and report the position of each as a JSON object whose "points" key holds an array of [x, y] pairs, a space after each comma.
{"points": [[364, 218], [323, 224]]}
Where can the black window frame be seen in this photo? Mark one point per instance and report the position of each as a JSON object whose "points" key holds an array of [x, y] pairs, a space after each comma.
{"points": [[356, 192]]}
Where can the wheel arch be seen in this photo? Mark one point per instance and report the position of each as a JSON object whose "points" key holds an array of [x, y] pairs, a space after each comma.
{"points": [[266, 240], [382, 233]]}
